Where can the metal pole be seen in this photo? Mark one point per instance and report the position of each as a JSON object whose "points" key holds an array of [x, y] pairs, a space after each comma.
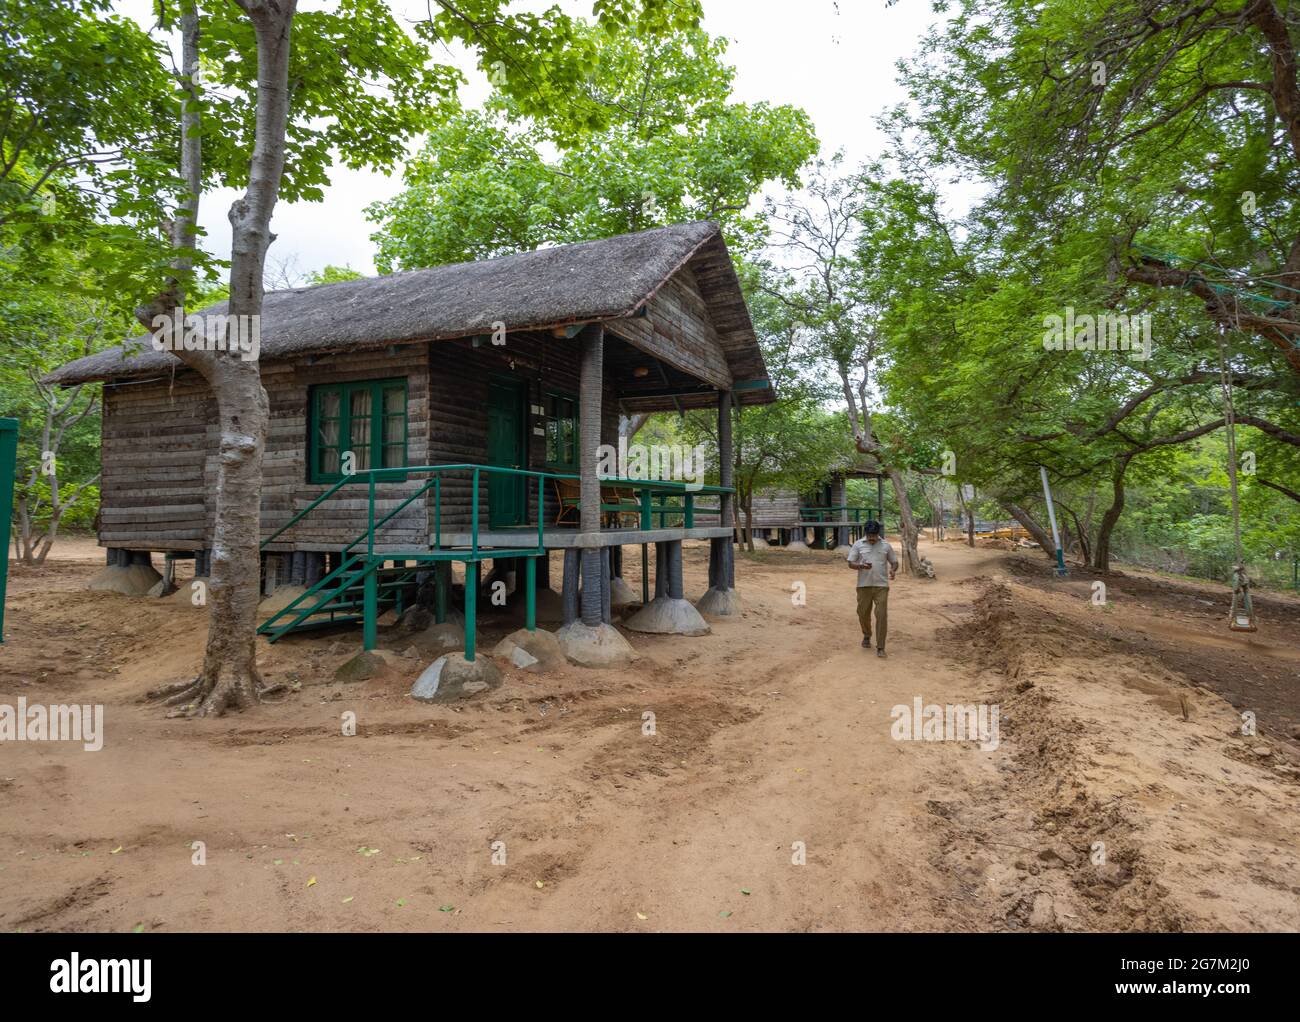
{"points": [[1051, 517]]}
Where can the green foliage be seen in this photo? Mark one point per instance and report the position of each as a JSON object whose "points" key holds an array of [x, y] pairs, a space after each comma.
{"points": [[1077, 171], [645, 135], [80, 514], [360, 88], [793, 443], [332, 275]]}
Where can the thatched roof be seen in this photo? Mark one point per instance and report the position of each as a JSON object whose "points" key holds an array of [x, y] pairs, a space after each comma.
{"points": [[594, 281]]}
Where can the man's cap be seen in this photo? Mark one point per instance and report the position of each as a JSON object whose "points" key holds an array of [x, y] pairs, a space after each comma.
{"points": [[873, 528]]}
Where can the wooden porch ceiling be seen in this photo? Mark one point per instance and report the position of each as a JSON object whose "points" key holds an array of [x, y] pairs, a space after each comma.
{"points": [[643, 383]]}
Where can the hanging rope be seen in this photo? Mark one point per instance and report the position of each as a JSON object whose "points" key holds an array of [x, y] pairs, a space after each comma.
{"points": [[1241, 617]]}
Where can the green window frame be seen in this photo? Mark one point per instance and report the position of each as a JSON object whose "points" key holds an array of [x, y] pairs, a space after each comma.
{"points": [[368, 418], [560, 411]]}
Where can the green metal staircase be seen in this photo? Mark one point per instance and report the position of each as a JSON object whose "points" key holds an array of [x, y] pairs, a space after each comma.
{"points": [[339, 598]]}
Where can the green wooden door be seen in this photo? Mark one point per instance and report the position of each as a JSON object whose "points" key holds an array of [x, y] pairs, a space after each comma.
{"points": [[506, 504]]}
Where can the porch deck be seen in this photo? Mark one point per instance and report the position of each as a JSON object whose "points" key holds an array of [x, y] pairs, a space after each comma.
{"points": [[567, 539]]}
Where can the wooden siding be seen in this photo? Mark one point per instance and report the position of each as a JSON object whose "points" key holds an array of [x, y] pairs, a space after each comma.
{"points": [[159, 441], [154, 435], [459, 377], [774, 509], [678, 330], [160, 445], [342, 517]]}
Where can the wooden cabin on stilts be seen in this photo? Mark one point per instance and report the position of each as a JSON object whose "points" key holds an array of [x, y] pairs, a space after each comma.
{"points": [[822, 519], [458, 414]]}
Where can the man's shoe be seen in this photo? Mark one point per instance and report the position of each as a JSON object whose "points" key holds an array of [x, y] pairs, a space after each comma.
{"points": [[880, 653], [866, 642]]}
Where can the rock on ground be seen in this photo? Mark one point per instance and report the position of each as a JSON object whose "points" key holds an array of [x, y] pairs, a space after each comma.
{"points": [[451, 677], [541, 646], [365, 665], [599, 646]]}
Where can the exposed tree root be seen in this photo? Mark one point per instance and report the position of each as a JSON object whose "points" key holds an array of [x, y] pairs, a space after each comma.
{"points": [[212, 693]]}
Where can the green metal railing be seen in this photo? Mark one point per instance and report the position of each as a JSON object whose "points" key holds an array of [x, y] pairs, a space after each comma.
{"points": [[364, 567], [836, 513], [646, 508], [330, 595]]}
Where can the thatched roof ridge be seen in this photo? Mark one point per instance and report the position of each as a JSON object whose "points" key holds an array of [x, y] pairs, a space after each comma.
{"points": [[602, 280]]}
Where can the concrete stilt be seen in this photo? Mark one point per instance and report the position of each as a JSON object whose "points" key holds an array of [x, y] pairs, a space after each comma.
{"points": [[721, 600], [620, 593], [569, 592], [131, 574], [605, 576], [669, 613]]}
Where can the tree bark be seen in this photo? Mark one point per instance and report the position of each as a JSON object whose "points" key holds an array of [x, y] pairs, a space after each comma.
{"points": [[908, 531], [229, 678], [1284, 490], [1101, 551], [1085, 550], [1030, 523], [969, 509]]}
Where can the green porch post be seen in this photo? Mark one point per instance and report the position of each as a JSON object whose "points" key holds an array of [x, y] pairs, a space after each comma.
{"points": [[370, 610], [471, 607], [441, 590], [8, 458], [530, 599], [645, 573]]}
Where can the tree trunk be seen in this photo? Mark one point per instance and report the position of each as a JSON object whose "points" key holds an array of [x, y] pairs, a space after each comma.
{"points": [[24, 544], [908, 532], [969, 509], [1037, 531], [1085, 550], [1101, 552], [229, 678], [747, 509]]}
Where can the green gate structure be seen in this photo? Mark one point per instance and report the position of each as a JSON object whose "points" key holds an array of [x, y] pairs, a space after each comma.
{"points": [[8, 459]]}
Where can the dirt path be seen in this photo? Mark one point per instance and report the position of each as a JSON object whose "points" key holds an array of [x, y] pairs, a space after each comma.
{"points": [[774, 730]]}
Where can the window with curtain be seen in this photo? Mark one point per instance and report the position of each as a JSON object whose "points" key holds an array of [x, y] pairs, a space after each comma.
{"points": [[561, 431], [367, 418]]}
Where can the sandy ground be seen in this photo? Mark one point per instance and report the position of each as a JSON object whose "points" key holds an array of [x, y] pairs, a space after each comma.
{"points": [[1122, 794]]}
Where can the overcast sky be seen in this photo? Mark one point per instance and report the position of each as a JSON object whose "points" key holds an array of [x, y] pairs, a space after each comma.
{"points": [[834, 59]]}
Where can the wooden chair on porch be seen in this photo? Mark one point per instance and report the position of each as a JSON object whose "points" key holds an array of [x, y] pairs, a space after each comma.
{"points": [[616, 504], [568, 498]]}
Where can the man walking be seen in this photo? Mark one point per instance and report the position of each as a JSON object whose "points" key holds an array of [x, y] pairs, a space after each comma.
{"points": [[876, 564]]}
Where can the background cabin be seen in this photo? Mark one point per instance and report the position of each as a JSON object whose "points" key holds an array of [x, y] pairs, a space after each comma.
{"points": [[783, 516]]}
